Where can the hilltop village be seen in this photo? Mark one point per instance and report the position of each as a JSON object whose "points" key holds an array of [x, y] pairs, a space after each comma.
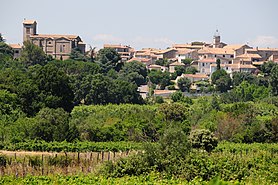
{"points": [[196, 61]]}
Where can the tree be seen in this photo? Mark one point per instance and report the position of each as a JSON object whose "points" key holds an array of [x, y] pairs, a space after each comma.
{"points": [[162, 62], [239, 77], [51, 125], [187, 61], [32, 54], [77, 55], [179, 70], [6, 52], [267, 67], [96, 89], [218, 62], [109, 58], [134, 72], [221, 80], [53, 86], [159, 78], [204, 139], [184, 84], [191, 70], [274, 79], [125, 92], [179, 97], [174, 111]]}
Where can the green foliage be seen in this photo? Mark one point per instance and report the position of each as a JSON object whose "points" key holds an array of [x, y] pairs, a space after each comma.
{"points": [[159, 78], [179, 97], [187, 61], [180, 70], [6, 51], [32, 54], [77, 55], [246, 92], [184, 84], [174, 111], [159, 99], [134, 72], [239, 77], [221, 80], [162, 62], [108, 59], [54, 87], [267, 67], [274, 79], [51, 125], [191, 70], [204, 139], [43, 146]]}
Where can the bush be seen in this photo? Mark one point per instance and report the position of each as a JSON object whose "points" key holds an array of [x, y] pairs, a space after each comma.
{"points": [[204, 139]]}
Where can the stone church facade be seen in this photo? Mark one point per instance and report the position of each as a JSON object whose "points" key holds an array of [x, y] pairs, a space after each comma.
{"points": [[59, 46]]}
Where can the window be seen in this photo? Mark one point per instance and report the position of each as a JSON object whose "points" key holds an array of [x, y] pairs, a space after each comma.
{"points": [[61, 48], [232, 56], [49, 42], [230, 62], [28, 30], [203, 64], [16, 51], [223, 55]]}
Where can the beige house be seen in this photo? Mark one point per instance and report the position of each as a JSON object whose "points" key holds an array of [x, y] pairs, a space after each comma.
{"points": [[59, 46], [126, 52], [17, 48], [173, 65]]}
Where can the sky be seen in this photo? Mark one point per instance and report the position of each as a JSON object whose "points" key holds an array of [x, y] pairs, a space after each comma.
{"points": [[146, 23]]}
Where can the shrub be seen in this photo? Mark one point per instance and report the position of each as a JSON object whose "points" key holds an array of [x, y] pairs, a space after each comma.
{"points": [[204, 139]]}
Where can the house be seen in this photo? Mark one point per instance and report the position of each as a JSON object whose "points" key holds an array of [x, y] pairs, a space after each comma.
{"points": [[204, 65], [126, 52], [207, 52], [247, 58], [193, 77], [147, 53], [157, 67], [173, 65], [59, 46], [182, 54], [231, 68], [167, 54], [17, 49], [144, 91], [265, 53], [239, 49]]}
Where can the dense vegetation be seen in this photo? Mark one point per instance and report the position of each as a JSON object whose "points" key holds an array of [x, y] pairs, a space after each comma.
{"points": [[92, 104]]}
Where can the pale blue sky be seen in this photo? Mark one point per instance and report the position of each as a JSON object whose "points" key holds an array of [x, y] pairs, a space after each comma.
{"points": [[146, 23]]}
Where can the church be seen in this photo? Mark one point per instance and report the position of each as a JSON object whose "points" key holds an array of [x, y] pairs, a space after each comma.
{"points": [[59, 46]]}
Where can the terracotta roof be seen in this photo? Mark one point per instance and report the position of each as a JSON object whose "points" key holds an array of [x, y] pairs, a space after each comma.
{"points": [[144, 60], [184, 51], [165, 51], [249, 55], [115, 46], [198, 75], [53, 36], [189, 46], [29, 22], [208, 60], [236, 66], [158, 92], [177, 64], [216, 51], [234, 46], [155, 66], [15, 46]]}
